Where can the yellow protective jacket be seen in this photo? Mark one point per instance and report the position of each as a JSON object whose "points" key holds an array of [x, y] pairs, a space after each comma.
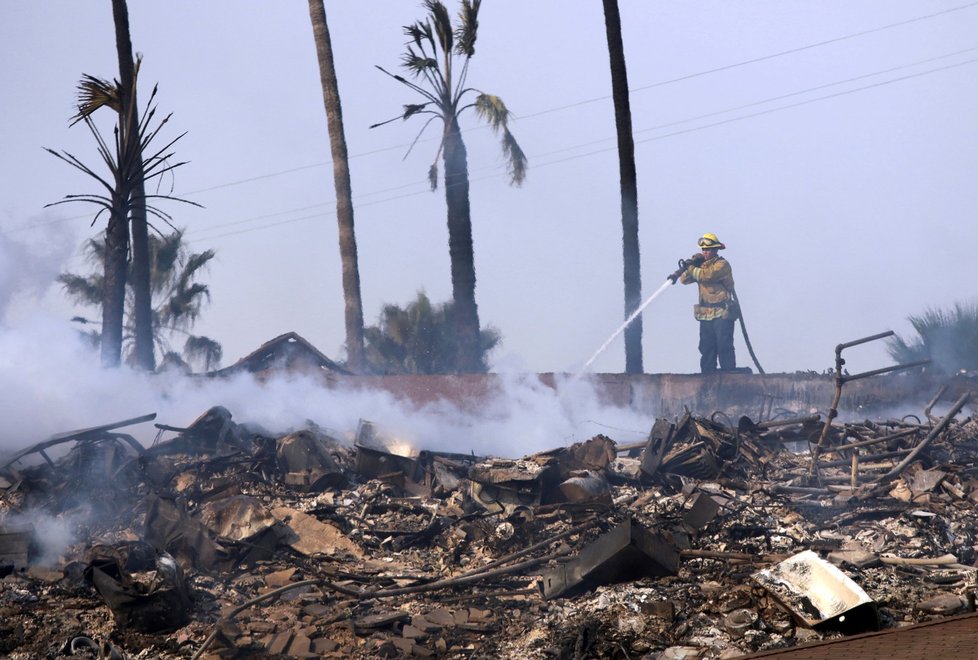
{"points": [[715, 280]]}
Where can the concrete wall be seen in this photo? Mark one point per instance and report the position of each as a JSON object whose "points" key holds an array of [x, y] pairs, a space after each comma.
{"points": [[760, 397]]}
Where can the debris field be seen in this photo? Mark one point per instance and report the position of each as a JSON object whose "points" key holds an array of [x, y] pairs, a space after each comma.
{"points": [[715, 538]]}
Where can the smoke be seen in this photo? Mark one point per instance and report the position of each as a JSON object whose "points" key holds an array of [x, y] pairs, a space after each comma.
{"points": [[53, 383], [30, 263], [52, 536], [521, 416]]}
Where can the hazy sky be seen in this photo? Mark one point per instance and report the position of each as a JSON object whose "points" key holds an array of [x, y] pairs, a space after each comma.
{"points": [[831, 144]]}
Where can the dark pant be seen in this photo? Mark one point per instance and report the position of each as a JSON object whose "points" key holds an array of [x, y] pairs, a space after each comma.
{"points": [[717, 343]]}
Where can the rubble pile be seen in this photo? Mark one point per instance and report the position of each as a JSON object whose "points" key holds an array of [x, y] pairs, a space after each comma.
{"points": [[714, 538]]}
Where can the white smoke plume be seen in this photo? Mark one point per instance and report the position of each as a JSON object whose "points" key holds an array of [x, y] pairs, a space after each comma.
{"points": [[52, 383]]}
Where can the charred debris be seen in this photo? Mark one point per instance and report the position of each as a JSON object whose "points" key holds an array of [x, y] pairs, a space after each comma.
{"points": [[714, 538]]}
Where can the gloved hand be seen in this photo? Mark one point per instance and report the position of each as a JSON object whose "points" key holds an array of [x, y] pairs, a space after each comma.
{"points": [[679, 272], [696, 259]]}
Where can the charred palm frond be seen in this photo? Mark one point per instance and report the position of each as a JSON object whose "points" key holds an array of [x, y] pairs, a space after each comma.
{"points": [[204, 350], [494, 112], [442, 24], [121, 156], [95, 93], [443, 96], [467, 30]]}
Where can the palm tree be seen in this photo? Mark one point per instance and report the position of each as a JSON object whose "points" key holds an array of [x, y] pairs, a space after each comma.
{"points": [[629, 187], [949, 338], [353, 305], [178, 299], [126, 164], [137, 217], [420, 339], [432, 58]]}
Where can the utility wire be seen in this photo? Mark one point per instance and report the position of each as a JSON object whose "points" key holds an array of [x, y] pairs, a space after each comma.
{"points": [[660, 83], [768, 100], [763, 58], [659, 127], [561, 108]]}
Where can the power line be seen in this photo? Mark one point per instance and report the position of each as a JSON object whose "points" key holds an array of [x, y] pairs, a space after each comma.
{"points": [[763, 58], [764, 112], [573, 105], [684, 131], [661, 83], [771, 99]]}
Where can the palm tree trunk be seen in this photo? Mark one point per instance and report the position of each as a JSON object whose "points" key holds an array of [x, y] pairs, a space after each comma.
{"points": [[116, 267], [142, 295], [460, 250], [353, 306], [629, 187]]}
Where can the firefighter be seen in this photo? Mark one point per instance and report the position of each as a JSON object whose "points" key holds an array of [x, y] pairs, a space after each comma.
{"points": [[717, 309]]}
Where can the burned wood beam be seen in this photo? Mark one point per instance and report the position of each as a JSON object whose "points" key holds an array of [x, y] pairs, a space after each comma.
{"points": [[937, 430], [943, 560], [871, 441], [868, 457], [739, 556], [933, 402], [775, 423], [583, 527], [802, 490]]}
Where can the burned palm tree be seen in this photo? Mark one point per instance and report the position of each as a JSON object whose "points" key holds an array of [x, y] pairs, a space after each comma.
{"points": [[178, 297], [353, 305], [438, 57], [629, 187], [127, 163], [139, 227]]}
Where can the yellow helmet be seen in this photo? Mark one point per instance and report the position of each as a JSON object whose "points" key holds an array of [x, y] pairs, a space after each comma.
{"points": [[710, 242]]}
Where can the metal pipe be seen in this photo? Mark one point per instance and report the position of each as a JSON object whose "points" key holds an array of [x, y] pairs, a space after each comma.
{"points": [[884, 370], [855, 342], [840, 380]]}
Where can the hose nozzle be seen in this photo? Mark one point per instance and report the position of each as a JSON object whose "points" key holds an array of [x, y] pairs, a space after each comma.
{"points": [[679, 271]]}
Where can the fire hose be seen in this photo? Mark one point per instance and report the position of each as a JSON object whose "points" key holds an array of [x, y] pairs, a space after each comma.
{"points": [[684, 264]]}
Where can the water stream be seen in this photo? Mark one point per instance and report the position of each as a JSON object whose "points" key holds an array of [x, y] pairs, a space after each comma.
{"points": [[665, 285]]}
